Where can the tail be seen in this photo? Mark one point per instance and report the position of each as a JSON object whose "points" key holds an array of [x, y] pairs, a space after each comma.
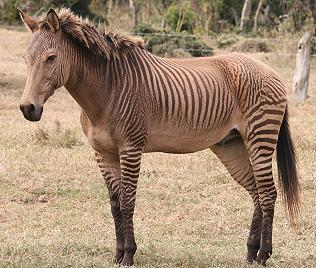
{"points": [[288, 177]]}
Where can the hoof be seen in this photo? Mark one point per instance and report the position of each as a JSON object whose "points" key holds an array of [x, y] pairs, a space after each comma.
{"points": [[253, 249], [263, 257], [251, 256], [118, 256], [127, 260]]}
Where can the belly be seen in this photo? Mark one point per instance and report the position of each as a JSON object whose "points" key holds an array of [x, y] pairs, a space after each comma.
{"points": [[170, 140]]}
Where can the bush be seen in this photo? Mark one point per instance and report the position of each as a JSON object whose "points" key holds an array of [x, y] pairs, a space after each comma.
{"points": [[180, 18], [170, 44], [145, 28], [251, 45], [226, 41], [9, 12]]}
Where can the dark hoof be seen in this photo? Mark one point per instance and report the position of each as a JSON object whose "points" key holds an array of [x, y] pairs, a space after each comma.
{"points": [[263, 257], [127, 260], [251, 256], [253, 248], [118, 256]]}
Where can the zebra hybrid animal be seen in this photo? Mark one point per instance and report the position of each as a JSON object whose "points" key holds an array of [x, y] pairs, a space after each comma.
{"points": [[134, 102]]}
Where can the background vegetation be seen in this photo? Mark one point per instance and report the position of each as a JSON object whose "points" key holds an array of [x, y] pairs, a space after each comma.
{"points": [[168, 25]]}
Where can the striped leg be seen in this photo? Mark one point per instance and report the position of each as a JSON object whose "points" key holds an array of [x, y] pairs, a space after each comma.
{"points": [[130, 160], [260, 151], [234, 156], [110, 168]]}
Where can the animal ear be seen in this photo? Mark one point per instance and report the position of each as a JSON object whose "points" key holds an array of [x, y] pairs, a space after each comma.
{"points": [[28, 21], [53, 21]]}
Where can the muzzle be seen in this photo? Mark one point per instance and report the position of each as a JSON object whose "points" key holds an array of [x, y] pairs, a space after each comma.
{"points": [[31, 112]]}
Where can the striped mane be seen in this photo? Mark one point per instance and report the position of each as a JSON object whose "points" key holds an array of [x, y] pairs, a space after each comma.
{"points": [[98, 40]]}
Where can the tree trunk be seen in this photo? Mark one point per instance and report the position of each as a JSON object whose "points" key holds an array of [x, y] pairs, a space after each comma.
{"points": [[236, 18], [206, 25], [163, 13], [245, 14], [265, 17], [134, 11], [301, 74], [255, 22]]}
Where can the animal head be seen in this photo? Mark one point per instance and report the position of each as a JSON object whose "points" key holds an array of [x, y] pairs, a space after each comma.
{"points": [[56, 42], [47, 69]]}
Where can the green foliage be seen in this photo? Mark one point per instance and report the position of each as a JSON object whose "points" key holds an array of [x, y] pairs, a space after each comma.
{"points": [[226, 41], [170, 44], [145, 28], [204, 17], [83, 8], [9, 12], [225, 9], [180, 18]]}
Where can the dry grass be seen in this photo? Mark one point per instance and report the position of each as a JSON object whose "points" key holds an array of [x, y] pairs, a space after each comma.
{"points": [[54, 210], [57, 137]]}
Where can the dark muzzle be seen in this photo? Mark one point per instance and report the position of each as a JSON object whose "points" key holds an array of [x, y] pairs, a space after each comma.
{"points": [[31, 112]]}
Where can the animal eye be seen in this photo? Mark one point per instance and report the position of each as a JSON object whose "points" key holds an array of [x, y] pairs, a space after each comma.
{"points": [[50, 58]]}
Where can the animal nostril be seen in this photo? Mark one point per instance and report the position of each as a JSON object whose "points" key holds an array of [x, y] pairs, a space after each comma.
{"points": [[27, 109], [31, 108]]}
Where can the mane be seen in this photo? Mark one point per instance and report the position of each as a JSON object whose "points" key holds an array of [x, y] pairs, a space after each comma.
{"points": [[98, 40]]}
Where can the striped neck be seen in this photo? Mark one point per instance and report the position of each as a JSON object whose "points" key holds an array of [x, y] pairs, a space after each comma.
{"points": [[95, 81]]}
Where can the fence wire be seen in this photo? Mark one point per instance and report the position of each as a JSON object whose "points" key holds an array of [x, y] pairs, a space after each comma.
{"points": [[209, 37], [280, 40]]}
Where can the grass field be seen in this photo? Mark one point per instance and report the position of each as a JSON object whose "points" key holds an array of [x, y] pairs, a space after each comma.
{"points": [[54, 209]]}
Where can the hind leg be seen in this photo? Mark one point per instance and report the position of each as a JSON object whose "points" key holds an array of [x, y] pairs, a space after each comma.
{"points": [[260, 140], [234, 156], [262, 166]]}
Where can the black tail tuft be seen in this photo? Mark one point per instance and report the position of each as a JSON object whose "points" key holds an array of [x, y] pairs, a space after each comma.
{"points": [[288, 177]]}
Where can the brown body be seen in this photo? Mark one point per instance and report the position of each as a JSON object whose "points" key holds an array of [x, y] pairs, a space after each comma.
{"points": [[176, 132], [134, 102]]}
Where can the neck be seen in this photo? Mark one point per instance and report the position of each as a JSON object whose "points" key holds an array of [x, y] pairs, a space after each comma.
{"points": [[90, 83], [104, 87]]}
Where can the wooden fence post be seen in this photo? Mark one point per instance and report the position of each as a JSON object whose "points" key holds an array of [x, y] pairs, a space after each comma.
{"points": [[301, 74]]}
